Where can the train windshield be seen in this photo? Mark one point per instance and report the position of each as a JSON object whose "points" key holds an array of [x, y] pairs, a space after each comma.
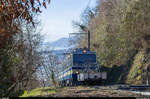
{"points": [[82, 59]]}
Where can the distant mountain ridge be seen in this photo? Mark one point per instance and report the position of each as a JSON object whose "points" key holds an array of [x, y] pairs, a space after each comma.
{"points": [[62, 43]]}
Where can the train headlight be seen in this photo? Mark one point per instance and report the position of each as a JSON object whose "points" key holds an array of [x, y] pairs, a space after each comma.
{"points": [[77, 72], [69, 56], [84, 51]]}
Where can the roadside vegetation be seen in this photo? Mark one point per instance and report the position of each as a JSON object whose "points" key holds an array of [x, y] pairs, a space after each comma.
{"points": [[20, 40]]}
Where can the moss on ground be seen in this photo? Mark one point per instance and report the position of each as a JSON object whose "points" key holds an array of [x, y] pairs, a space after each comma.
{"points": [[44, 91]]}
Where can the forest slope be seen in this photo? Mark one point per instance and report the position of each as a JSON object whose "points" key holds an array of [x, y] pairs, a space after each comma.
{"points": [[120, 36]]}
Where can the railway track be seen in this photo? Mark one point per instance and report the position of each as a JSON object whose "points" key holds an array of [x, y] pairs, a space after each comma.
{"points": [[93, 91], [135, 87], [138, 89]]}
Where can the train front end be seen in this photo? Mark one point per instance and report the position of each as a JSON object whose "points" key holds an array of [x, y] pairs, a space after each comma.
{"points": [[90, 72], [83, 69]]}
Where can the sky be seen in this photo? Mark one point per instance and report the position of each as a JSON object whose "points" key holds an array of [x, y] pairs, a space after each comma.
{"points": [[56, 20]]}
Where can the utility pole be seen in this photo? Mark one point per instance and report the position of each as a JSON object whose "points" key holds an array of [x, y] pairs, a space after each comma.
{"points": [[88, 33], [89, 40]]}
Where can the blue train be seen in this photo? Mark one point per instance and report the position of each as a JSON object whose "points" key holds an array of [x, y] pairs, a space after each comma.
{"points": [[83, 69]]}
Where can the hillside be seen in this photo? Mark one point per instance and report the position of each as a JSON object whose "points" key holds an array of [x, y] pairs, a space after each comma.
{"points": [[120, 36]]}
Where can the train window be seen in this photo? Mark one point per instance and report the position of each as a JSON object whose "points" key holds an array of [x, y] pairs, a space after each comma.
{"points": [[84, 58]]}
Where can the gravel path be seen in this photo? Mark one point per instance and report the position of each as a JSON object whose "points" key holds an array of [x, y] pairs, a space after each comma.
{"points": [[93, 91]]}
